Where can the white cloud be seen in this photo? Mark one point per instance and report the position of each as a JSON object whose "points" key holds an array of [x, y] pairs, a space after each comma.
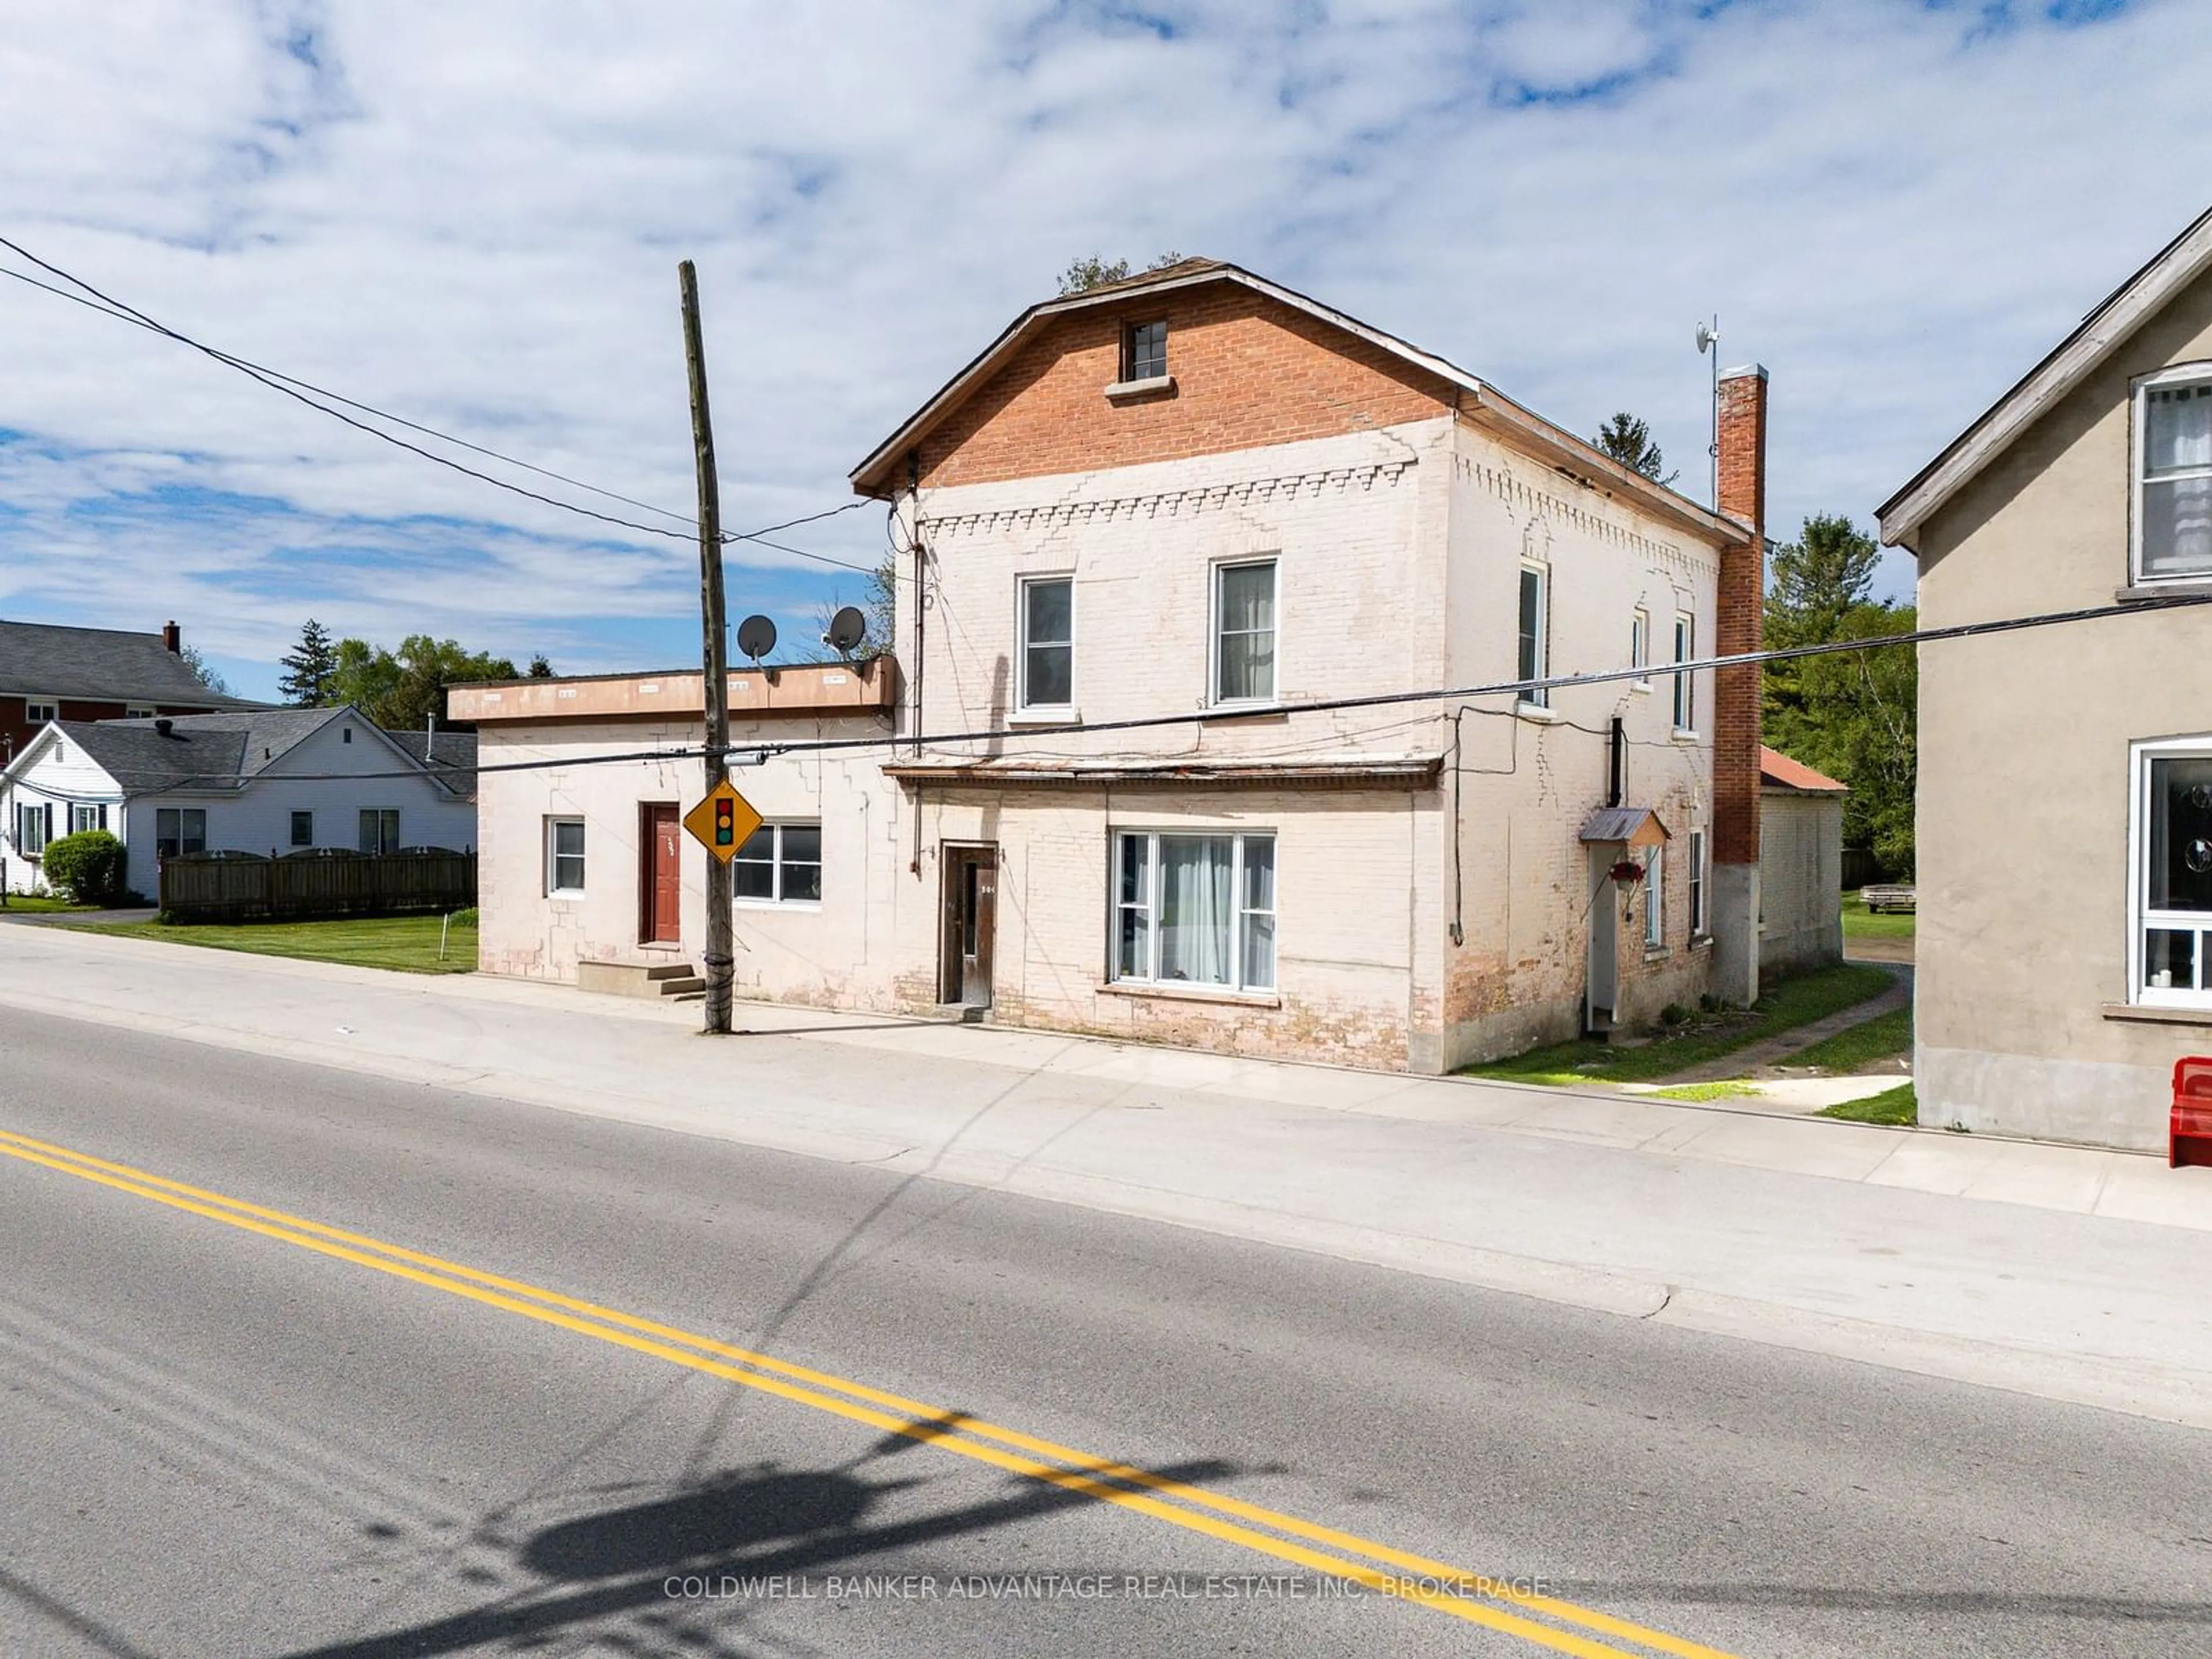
{"points": [[472, 214]]}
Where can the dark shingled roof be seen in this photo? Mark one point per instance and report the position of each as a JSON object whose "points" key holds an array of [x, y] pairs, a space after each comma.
{"points": [[453, 761], [37, 659], [199, 752]]}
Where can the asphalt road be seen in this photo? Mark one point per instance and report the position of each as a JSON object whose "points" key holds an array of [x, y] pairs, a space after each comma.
{"points": [[268, 1431]]}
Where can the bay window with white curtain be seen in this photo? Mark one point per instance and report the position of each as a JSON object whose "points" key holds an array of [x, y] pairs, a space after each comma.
{"points": [[1194, 910], [2173, 526], [2171, 830]]}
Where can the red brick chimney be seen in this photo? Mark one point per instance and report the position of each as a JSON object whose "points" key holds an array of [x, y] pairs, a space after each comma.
{"points": [[1743, 433], [173, 636]]}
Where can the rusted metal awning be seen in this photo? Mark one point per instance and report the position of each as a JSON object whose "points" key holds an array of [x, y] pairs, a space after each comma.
{"points": [[1347, 772]]}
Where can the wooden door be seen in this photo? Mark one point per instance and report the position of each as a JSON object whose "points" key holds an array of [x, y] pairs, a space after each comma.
{"points": [[971, 895], [662, 922]]}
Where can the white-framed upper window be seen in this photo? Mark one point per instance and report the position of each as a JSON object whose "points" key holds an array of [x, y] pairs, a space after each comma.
{"points": [[564, 857], [779, 864], [1244, 600], [1194, 909], [1655, 898], [1534, 612], [1047, 643], [1696, 883], [1639, 647], [1686, 690], [137, 711], [2170, 879], [2173, 521], [38, 711], [83, 818]]}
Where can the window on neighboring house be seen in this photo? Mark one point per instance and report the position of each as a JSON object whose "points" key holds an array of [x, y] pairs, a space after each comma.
{"points": [[1697, 883], [564, 858], [2172, 833], [380, 828], [303, 829], [345, 734], [2173, 475], [1144, 351], [1244, 632], [1534, 661], [779, 864], [137, 711], [1639, 645], [1655, 897], [180, 830], [1685, 696], [34, 826], [37, 712], [1195, 910], [83, 818], [1047, 642]]}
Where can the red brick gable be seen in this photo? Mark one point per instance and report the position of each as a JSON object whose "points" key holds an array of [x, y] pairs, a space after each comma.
{"points": [[1248, 370]]}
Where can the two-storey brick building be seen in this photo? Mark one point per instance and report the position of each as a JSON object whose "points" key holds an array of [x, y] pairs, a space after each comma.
{"points": [[1194, 554]]}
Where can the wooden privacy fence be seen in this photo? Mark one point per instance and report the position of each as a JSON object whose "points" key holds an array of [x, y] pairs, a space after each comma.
{"points": [[213, 887]]}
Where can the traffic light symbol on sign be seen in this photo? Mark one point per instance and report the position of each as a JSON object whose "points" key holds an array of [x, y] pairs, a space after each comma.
{"points": [[721, 822]]}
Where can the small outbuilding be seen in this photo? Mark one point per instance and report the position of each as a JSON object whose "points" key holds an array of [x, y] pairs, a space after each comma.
{"points": [[1800, 867]]}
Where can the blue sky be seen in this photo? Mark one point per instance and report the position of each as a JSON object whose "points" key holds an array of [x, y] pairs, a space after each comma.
{"points": [[471, 213]]}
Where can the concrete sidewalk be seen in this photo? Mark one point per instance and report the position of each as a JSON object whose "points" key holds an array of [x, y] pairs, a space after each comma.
{"points": [[2068, 1272]]}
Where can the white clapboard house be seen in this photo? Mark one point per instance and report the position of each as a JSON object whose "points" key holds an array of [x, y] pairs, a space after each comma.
{"points": [[272, 781]]}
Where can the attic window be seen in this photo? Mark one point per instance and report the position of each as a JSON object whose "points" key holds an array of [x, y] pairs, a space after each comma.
{"points": [[1143, 352], [349, 734]]}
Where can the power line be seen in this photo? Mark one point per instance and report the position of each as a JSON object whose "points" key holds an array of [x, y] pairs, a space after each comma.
{"points": [[294, 386], [1373, 700]]}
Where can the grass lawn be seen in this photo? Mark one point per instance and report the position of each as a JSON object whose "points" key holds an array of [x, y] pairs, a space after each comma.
{"points": [[1695, 1091], [1792, 1002], [1859, 923], [1895, 1107], [1884, 1037], [26, 905], [407, 943]]}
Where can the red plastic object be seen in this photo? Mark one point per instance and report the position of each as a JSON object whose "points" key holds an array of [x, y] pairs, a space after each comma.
{"points": [[2191, 1137]]}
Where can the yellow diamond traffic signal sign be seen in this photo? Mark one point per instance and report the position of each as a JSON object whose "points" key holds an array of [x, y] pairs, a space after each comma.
{"points": [[723, 822]]}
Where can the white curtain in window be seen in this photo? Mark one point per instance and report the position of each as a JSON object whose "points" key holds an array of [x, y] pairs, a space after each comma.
{"points": [[2177, 491], [1195, 909], [1247, 632]]}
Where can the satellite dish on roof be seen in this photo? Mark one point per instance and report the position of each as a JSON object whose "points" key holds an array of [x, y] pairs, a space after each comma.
{"points": [[1707, 339], [757, 637], [847, 629]]}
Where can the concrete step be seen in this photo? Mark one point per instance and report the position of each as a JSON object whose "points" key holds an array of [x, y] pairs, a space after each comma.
{"points": [[689, 986], [669, 971]]}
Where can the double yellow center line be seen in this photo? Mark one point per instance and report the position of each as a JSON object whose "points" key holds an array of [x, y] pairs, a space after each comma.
{"points": [[1493, 1603]]}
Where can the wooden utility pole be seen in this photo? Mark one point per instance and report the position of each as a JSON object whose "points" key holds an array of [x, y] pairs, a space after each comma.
{"points": [[721, 960]]}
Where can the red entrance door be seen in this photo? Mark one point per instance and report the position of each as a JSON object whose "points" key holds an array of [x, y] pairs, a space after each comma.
{"points": [[664, 880]]}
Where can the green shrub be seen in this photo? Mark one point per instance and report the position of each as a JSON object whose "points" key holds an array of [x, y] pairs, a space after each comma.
{"points": [[465, 917], [1674, 1014], [87, 867]]}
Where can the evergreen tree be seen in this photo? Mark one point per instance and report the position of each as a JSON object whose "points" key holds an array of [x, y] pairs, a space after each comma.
{"points": [[310, 668], [539, 668], [1628, 440], [1853, 714]]}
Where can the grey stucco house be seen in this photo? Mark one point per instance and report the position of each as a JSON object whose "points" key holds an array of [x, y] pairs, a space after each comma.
{"points": [[2064, 822]]}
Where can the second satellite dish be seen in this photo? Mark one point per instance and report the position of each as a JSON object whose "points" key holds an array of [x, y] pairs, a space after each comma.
{"points": [[757, 637], [848, 629]]}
